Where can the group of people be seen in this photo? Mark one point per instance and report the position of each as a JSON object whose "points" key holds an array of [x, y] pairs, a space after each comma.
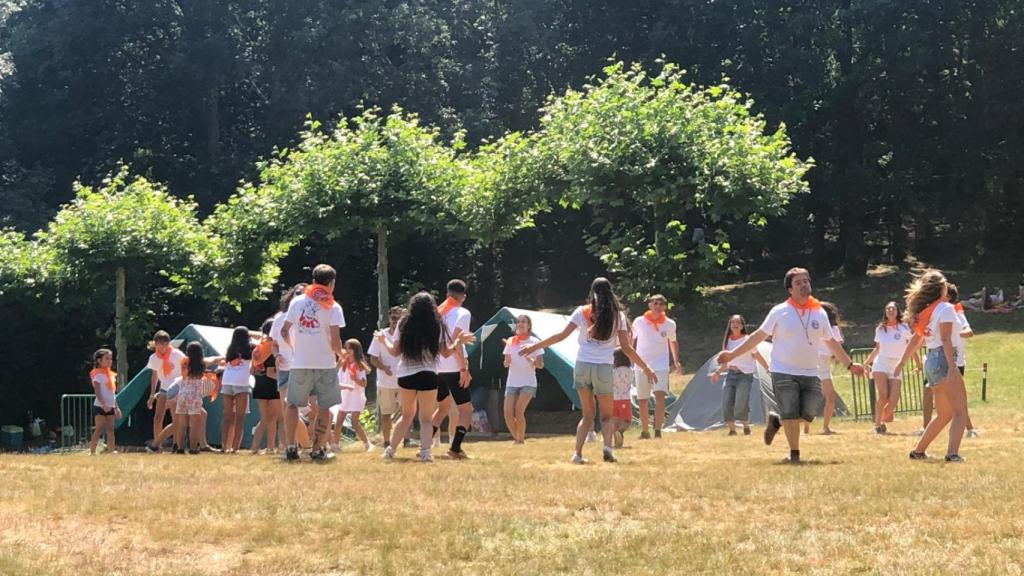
{"points": [[298, 362]]}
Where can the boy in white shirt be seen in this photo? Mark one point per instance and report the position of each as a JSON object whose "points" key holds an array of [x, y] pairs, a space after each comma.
{"points": [[654, 336], [387, 380]]}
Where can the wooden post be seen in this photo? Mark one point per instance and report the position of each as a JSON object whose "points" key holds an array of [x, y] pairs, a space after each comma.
{"points": [[120, 317], [382, 277], [984, 382]]}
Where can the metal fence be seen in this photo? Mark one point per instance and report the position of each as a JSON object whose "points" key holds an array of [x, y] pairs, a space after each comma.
{"points": [[865, 395], [76, 421]]}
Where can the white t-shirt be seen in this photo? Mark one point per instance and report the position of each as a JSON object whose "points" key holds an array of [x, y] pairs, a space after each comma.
{"points": [[240, 375], [796, 338], [958, 341], [104, 395], [596, 351], [408, 367], [345, 379], [156, 364], [652, 343], [892, 340], [823, 349], [285, 362], [520, 371], [944, 313], [381, 352], [745, 363], [310, 333], [622, 383], [456, 318]]}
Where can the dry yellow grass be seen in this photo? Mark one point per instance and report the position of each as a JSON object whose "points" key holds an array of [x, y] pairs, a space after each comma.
{"points": [[692, 502]]}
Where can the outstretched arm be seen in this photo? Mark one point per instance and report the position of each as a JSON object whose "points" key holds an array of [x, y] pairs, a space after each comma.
{"points": [[755, 338], [550, 340], [844, 358]]}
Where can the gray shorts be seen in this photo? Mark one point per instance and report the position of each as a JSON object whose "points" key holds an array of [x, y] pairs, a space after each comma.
{"points": [[596, 378], [521, 391], [232, 390], [282, 379], [798, 396], [319, 382]]}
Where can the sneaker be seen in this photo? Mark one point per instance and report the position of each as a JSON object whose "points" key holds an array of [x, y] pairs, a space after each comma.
{"points": [[208, 448], [732, 432], [178, 449], [790, 461], [369, 447], [609, 456], [746, 430], [914, 455], [918, 432], [291, 454], [657, 433], [955, 459], [425, 456], [879, 429], [321, 455], [972, 433], [389, 454], [645, 435], [577, 459], [591, 437], [884, 429], [772, 428], [150, 448], [193, 450], [460, 455]]}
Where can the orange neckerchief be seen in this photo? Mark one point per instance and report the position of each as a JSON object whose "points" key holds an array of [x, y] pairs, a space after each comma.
{"points": [[925, 317], [655, 320], [166, 366], [447, 306], [110, 374], [262, 351], [321, 295], [959, 307], [516, 339], [587, 314], [812, 304], [740, 337]]}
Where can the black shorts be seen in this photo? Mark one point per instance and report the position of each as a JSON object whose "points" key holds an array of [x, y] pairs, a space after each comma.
{"points": [[421, 381], [99, 411], [448, 383]]}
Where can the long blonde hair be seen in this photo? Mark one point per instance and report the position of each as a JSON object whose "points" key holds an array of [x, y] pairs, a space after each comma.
{"points": [[921, 292]]}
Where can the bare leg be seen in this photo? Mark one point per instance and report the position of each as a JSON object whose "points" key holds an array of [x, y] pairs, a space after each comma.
{"points": [[944, 413], [407, 400], [606, 404], [659, 410], [830, 403], [881, 397], [792, 430], [509, 410], [241, 403], [227, 424], [521, 403], [158, 414], [588, 408], [644, 416], [927, 403], [894, 399]]}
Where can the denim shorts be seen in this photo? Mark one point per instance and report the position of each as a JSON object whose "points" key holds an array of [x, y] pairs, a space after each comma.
{"points": [[935, 367], [516, 391], [596, 378], [282, 379], [232, 390], [798, 396]]}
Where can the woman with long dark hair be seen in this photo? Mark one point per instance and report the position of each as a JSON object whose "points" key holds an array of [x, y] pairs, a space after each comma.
{"points": [[602, 327], [421, 340], [236, 387], [738, 376]]}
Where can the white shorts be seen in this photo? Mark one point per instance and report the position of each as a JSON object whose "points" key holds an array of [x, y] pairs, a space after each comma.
{"points": [[644, 388], [886, 366], [824, 367], [387, 400]]}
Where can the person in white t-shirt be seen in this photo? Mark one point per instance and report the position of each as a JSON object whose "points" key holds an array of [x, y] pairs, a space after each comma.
{"points": [[165, 367], [388, 407], [891, 339], [313, 330], [601, 326], [352, 371], [934, 322], [104, 408], [283, 362], [453, 377], [825, 370], [737, 376], [654, 336], [521, 382], [961, 333], [797, 327], [236, 389]]}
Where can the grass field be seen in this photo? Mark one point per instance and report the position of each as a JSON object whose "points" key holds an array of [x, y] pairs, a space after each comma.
{"points": [[698, 503]]}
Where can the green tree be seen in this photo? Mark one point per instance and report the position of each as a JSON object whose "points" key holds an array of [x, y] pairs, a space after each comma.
{"points": [[130, 238], [660, 163]]}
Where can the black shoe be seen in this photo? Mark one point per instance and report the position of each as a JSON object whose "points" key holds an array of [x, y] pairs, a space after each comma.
{"points": [[793, 460], [746, 431], [193, 451], [918, 455], [609, 457], [177, 449], [150, 448], [321, 455], [771, 428], [955, 459], [291, 454], [732, 432]]}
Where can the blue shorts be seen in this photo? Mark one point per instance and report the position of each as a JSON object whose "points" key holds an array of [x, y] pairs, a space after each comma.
{"points": [[282, 379], [935, 367]]}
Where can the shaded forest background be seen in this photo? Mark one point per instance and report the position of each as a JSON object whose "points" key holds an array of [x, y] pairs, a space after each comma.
{"points": [[911, 111]]}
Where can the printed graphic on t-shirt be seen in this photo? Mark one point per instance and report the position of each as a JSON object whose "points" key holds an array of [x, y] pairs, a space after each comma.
{"points": [[309, 323]]}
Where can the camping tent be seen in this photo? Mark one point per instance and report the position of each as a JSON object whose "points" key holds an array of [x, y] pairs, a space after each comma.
{"points": [[554, 384], [137, 424], [699, 407]]}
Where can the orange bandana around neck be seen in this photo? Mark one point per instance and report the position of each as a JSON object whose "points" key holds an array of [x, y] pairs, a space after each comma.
{"points": [[447, 306], [959, 307], [655, 319], [321, 295], [517, 339], [262, 351], [587, 314], [734, 338], [166, 367], [925, 317], [110, 374], [812, 304]]}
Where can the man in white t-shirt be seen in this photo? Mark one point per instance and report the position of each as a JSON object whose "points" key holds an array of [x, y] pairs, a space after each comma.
{"points": [[387, 380], [797, 327], [312, 328], [453, 372], [654, 336]]}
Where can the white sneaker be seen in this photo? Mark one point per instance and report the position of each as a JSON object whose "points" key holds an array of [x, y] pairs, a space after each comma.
{"points": [[591, 437], [972, 433], [425, 456], [369, 447], [436, 443], [577, 459], [389, 454]]}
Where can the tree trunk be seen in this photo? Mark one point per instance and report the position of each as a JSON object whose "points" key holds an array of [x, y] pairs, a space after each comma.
{"points": [[382, 277], [120, 317]]}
